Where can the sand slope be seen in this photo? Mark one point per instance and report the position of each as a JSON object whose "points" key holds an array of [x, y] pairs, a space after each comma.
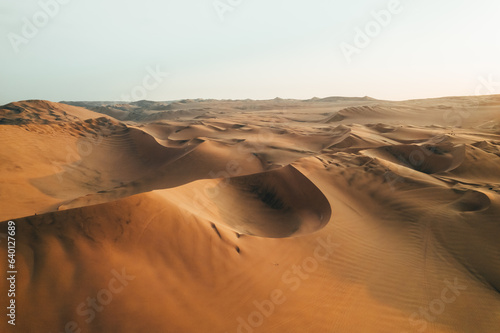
{"points": [[326, 215]]}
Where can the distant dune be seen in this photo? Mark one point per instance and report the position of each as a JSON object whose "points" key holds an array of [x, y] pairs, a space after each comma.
{"points": [[324, 215]]}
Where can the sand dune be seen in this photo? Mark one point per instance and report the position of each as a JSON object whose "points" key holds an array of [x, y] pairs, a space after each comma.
{"points": [[42, 112], [324, 215], [278, 203], [426, 158]]}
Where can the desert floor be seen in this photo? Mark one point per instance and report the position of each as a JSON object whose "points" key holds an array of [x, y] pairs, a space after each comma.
{"points": [[325, 215]]}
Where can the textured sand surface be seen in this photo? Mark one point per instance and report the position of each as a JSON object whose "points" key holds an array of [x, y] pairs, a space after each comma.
{"points": [[325, 215]]}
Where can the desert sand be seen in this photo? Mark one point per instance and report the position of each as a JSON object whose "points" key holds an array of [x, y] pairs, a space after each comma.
{"points": [[323, 215]]}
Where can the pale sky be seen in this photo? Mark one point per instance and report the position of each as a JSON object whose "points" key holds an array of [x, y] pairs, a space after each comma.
{"points": [[260, 49]]}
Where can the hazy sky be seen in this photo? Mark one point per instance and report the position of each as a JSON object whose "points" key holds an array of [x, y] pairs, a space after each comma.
{"points": [[105, 50]]}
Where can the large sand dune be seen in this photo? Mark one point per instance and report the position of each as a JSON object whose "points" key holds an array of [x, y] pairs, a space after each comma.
{"points": [[325, 215]]}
